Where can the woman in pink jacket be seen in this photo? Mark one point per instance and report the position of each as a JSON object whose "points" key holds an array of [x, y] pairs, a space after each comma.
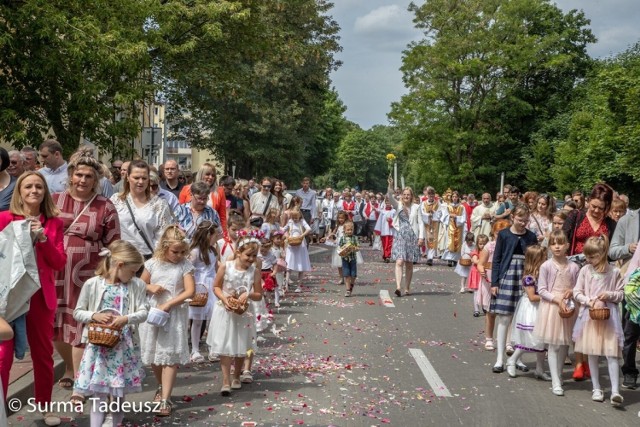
{"points": [[31, 201]]}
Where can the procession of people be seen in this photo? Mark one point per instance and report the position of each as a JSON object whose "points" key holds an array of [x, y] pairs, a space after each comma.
{"points": [[156, 257]]}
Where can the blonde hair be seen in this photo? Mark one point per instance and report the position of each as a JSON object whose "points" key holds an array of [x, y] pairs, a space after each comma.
{"points": [[482, 238], [47, 207], [558, 237], [295, 214], [172, 234], [84, 157], [534, 257], [120, 251], [597, 245]]}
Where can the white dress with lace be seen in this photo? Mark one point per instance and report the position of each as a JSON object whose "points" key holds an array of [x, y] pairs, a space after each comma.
{"points": [[167, 345], [233, 333]]}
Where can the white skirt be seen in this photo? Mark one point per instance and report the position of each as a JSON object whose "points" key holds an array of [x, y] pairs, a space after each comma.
{"points": [[232, 334]]}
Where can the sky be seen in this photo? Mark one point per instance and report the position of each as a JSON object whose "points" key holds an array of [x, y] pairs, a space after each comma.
{"points": [[375, 32]]}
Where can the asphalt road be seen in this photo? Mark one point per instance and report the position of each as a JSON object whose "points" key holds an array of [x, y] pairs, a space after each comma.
{"points": [[335, 361]]}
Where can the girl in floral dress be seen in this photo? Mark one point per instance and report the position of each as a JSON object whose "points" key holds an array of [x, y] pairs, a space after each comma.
{"points": [[170, 281], [117, 298]]}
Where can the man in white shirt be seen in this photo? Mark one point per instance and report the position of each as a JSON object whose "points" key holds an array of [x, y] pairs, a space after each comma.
{"points": [[55, 167], [308, 197]]}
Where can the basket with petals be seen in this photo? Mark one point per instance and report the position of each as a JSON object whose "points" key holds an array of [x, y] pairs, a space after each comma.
{"points": [[599, 313], [201, 296], [571, 309], [234, 302], [104, 335]]}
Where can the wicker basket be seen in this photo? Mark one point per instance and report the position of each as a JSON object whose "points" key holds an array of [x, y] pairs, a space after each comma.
{"points": [[236, 307], [465, 262], [571, 309], [345, 250], [201, 297], [295, 240], [599, 313], [104, 335]]}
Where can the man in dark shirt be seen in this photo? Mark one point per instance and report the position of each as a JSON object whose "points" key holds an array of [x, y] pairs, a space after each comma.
{"points": [[171, 182]]}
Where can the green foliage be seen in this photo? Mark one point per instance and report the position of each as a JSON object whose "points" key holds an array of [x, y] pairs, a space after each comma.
{"points": [[484, 78]]}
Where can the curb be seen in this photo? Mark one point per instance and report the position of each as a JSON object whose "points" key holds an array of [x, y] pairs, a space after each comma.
{"points": [[22, 388]]}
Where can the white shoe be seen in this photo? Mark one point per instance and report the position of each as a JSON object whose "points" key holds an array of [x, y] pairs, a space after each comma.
{"points": [[511, 369], [542, 376], [298, 290], [616, 399], [597, 395], [558, 391]]}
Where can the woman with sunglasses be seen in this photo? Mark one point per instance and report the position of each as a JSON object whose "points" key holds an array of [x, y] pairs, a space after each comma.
{"points": [[262, 201], [191, 214]]}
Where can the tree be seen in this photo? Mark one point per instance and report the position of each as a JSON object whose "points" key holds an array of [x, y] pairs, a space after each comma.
{"points": [[477, 82], [72, 69]]}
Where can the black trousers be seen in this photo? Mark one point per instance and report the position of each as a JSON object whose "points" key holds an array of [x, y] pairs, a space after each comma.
{"points": [[631, 337]]}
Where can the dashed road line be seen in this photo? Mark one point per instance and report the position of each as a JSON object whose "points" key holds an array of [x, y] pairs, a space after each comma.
{"points": [[430, 373], [385, 299]]}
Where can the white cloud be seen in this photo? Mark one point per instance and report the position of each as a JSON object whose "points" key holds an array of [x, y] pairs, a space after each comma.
{"points": [[391, 18]]}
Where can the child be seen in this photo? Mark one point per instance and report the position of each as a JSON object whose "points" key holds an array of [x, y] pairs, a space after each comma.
{"points": [[204, 257], [465, 254], [333, 238], [270, 225], [385, 230], [506, 275], [526, 314], [475, 279], [600, 286], [557, 278], [234, 333], [267, 273], [485, 262], [169, 278], [297, 257], [117, 298], [349, 261], [279, 251], [227, 245]]}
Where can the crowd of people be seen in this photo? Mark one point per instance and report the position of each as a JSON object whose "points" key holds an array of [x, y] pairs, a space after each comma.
{"points": [[168, 259]]}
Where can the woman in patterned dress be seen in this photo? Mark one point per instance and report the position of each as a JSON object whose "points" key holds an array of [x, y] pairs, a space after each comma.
{"points": [[408, 236], [90, 223]]}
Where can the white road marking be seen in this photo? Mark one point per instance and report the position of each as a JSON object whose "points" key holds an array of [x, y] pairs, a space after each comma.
{"points": [[386, 299], [430, 373], [316, 250]]}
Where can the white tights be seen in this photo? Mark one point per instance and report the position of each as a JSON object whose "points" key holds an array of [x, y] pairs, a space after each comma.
{"points": [[502, 323], [614, 368], [196, 327], [556, 355], [96, 416]]}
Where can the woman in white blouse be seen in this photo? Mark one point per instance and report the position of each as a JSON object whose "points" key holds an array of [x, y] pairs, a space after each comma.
{"points": [[142, 216], [541, 218]]}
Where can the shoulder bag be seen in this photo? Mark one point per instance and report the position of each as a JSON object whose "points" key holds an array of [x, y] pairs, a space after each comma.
{"points": [[133, 218]]}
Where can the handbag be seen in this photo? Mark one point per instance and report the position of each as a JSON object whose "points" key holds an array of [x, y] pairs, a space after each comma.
{"points": [[133, 218], [257, 221]]}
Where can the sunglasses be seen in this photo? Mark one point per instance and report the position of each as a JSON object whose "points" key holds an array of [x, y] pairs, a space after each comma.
{"points": [[266, 186]]}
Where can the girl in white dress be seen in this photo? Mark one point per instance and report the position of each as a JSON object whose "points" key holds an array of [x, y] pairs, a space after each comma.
{"points": [[526, 315], [169, 278], [233, 335], [114, 297], [333, 239], [297, 257], [279, 251], [204, 258]]}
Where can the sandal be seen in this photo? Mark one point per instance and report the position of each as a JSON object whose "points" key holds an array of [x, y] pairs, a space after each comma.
{"points": [[488, 345], [165, 409], [398, 293], [236, 384], [158, 395], [197, 358], [51, 419], [66, 383], [225, 390]]}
